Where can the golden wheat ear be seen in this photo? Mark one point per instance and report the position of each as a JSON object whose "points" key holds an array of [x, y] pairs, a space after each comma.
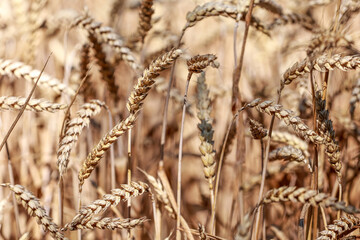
{"points": [[340, 228], [35, 209], [36, 105]]}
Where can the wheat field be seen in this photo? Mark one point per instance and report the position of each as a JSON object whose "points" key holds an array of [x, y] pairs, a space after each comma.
{"points": [[165, 119]]}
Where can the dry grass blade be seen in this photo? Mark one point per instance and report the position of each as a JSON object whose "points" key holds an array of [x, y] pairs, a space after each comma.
{"points": [[112, 223], [73, 130], [101, 205], [303, 195], [134, 105], [20, 70], [35, 209], [340, 228], [36, 105], [212, 9]]}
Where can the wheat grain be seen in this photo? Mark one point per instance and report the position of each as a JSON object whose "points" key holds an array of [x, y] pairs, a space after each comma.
{"points": [[101, 205], [35, 209], [36, 105], [112, 223], [339, 227], [73, 130], [20, 70], [303, 195]]}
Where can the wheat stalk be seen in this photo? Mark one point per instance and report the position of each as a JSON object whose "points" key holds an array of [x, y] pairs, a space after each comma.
{"points": [[20, 70], [340, 227], [124, 193], [73, 130], [35, 209], [303, 195], [36, 105], [134, 105]]}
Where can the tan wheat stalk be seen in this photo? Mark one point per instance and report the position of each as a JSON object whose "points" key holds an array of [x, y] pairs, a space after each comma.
{"points": [[36, 105], [257, 130], [303, 195], [20, 70], [211, 9], [294, 18], [35, 209], [288, 153], [340, 227], [134, 105], [124, 193], [108, 36], [355, 97], [146, 11], [112, 223], [73, 130]]}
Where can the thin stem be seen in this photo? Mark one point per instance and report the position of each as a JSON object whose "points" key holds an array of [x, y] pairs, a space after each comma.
{"points": [[12, 181], [129, 178], [61, 200], [178, 233]]}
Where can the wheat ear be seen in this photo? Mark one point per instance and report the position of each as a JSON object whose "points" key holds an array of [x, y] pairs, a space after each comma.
{"points": [[124, 193], [323, 63], [303, 195], [36, 105], [288, 153], [294, 18], [73, 130], [35, 209], [257, 130], [108, 36], [292, 140], [348, 10], [134, 105], [340, 227], [20, 70], [112, 223], [211, 9], [145, 14]]}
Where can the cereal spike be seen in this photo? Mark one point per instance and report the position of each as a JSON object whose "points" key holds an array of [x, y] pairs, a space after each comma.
{"points": [[73, 131], [134, 105], [257, 129], [112, 223], [36, 105], [35, 209], [20, 70], [355, 97], [145, 14], [198, 63], [340, 227], [294, 18], [303, 195], [101, 205], [211, 9], [288, 153]]}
